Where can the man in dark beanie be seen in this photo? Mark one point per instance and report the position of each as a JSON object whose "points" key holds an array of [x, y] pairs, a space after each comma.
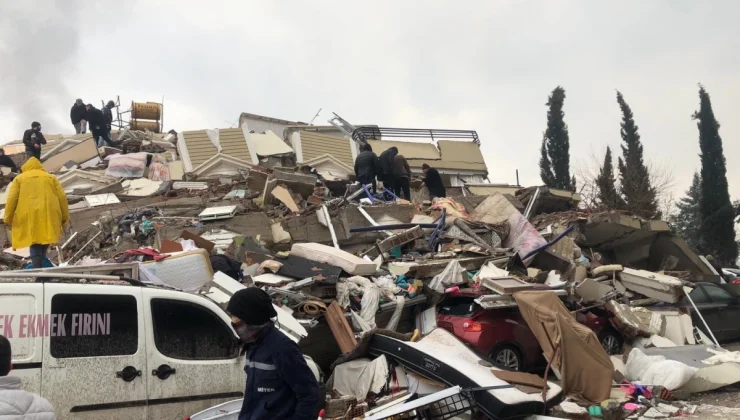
{"points": [[280, 385]]}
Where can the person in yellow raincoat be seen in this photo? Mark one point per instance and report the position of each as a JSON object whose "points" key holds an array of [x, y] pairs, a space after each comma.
{"points": [[36, 210]]}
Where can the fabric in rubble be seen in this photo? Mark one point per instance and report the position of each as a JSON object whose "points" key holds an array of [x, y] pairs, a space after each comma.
{"points": [[656, 370], [453, 274], [147, 252], [228, 266], [158, 169], [359, 377], [361, 350], [370, 300], [396, 316], [522, 236], [585, 368], [131, 165], [454, 209]]}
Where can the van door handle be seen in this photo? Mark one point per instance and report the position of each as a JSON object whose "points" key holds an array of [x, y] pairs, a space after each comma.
{"points": [[163, 372], [128, 374]]}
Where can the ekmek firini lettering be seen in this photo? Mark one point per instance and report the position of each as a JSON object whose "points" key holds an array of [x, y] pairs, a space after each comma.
{"points": [[54, 325]]}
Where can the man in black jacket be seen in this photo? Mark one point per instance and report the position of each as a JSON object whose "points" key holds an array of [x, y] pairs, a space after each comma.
{"points": [[280, 385], [366, 166], [98, 125], [386, 162], [6, 161], [433, 182], [108, 114], [33, 139], [77, 115]]}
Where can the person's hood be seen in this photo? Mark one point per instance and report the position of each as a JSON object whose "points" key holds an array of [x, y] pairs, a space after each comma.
{"points": [[394, 150], [31, 164], [9, 383]]}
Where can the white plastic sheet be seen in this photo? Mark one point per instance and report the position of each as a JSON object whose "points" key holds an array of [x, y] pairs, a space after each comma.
{"points": [[359, 377], [453, 274], [213, 135], [656, 370]]}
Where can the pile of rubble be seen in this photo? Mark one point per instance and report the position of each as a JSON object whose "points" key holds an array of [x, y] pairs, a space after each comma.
{"points": [[364, 274]]}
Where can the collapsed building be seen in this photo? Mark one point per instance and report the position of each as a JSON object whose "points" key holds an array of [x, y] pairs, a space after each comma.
{"points": [[275, 204]]}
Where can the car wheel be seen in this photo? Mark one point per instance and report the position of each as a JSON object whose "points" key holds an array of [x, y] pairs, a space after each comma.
{"points": [[508, 358], [611, 341]]}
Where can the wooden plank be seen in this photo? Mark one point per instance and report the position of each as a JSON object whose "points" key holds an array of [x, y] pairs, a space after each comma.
{"points": [[340, 328]]}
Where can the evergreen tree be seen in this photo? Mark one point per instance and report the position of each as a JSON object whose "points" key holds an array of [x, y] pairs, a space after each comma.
{"points": [[608, 195], [545, 169], [639, 195], [688, 219], [555, 150], [717, 228]]}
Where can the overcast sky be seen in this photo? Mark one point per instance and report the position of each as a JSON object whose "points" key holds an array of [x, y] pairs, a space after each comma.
{"points": [[482, 65]]}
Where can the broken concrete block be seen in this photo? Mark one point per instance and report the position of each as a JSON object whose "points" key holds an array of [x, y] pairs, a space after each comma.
{"points": [[591, 291], [657, 286], [634, 322], [280, 235], [402, 238]]}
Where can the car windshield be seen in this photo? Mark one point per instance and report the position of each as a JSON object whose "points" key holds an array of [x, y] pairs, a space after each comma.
{"points": [[459, 306]]}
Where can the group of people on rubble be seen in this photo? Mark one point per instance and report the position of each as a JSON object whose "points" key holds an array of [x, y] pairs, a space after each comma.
{"points": [[393, 170], [100, 121], [81, 115]]}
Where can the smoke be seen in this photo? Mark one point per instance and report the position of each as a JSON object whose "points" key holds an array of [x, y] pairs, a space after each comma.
{"points": [[39, 43]]}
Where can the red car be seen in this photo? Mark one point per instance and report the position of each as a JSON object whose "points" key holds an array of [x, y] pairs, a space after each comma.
{"points": [[503, 337]]}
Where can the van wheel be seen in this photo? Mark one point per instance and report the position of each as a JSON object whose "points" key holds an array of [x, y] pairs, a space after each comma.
{"points": [[611, 341], [507, 357]]}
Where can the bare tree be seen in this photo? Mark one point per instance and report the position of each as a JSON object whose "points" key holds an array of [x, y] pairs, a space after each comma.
{"points": [[587, 172]]}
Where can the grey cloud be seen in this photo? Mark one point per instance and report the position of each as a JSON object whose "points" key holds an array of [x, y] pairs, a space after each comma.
{"points": [[487, 66]]}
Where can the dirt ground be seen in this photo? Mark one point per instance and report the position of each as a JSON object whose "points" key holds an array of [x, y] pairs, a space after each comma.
{"points": [[726, 397]]}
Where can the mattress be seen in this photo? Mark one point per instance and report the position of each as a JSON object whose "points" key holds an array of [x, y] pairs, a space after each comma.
{"points": [[188, 271], [442, 357], [352, 264]]}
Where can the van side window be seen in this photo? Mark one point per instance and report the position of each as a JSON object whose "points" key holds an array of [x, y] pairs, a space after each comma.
{"points": [[184, 330], [93, 326]]}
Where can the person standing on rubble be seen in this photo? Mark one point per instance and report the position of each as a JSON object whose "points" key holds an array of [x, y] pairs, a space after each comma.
{"points": [[7, 162], [386, 168], [77, 115], [402, 177], [108, 114], [33, 139], [98, 124], [36, 210], [366, 166], [15, 403], [280, 385], [433, 181]]}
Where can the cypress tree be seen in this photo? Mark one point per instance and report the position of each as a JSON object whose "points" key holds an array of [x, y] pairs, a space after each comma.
{"points": [[608, 195], [639, 195], [545, 169], [717, 228], [688, 219], [555, 150]]}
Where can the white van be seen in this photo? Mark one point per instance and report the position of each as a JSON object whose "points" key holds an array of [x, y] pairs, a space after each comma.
{"points": [[102, 351]]}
